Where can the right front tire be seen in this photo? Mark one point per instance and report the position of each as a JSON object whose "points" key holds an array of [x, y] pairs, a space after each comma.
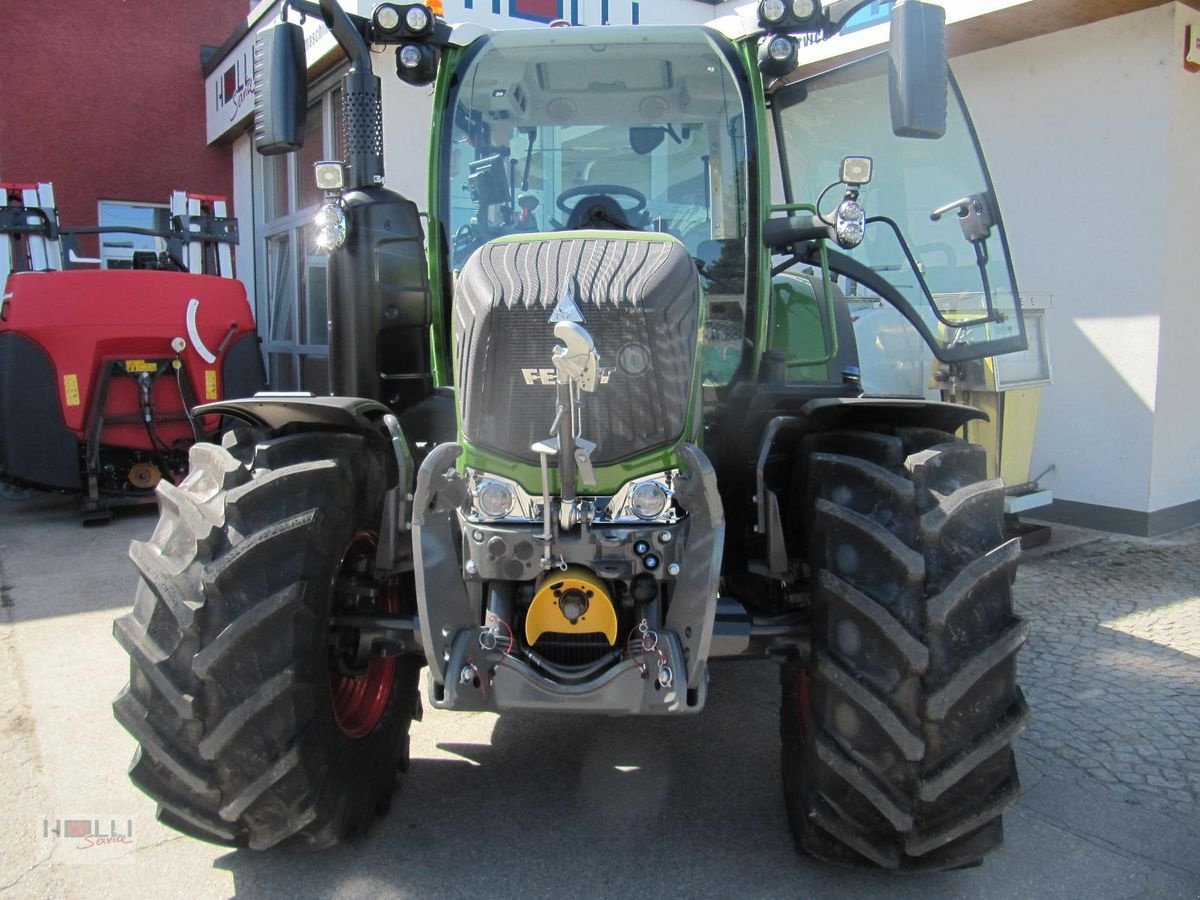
{"points": [[251, 729], [898, 728]]}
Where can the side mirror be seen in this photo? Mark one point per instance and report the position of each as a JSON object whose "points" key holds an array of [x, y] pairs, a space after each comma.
{"points": [[280, 89], [917, 73]]}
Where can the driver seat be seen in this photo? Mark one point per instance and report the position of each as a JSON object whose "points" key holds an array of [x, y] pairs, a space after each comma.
{"points": [[598, 211]]}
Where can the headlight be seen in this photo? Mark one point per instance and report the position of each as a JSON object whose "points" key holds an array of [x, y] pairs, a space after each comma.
{"points": [[780, 48], [648, 500], [494, 499], [772, 11], [850, 223], [417, 19], [387, 17], [409, 56], [331, 227], [803, 9]]}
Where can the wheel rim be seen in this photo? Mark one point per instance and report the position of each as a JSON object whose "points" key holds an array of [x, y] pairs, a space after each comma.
{"points": [[360, 702]]}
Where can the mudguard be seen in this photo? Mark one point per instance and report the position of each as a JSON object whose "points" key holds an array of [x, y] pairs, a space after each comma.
{"points": [[355, 415], [266, 410]]}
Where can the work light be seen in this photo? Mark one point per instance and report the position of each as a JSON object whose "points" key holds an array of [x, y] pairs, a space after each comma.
{"points": [[772, 11], [416, 64], [330, 175], [777, 55]]}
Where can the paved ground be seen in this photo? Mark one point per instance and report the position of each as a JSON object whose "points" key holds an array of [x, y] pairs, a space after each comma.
{"points": [[541, 807], [1112, 668]]}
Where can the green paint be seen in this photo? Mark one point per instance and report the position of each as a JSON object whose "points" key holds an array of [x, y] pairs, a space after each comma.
{"points": [[443, 372]]}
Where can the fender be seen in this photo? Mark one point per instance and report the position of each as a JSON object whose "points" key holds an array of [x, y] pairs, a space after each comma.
{"points": [[275, 410], [846, 412], [347, 414], [832, 414], [837, 413]]}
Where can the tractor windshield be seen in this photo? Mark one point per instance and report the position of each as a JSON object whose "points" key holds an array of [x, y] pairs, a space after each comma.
{"points": [[934, 236], [551, 130]]}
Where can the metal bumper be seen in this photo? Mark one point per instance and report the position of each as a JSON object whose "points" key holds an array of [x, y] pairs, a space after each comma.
{"points": [[492, 681], [471, 674]]}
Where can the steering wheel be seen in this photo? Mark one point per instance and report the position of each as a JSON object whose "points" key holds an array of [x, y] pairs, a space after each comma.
{"points": [[588, 190]]}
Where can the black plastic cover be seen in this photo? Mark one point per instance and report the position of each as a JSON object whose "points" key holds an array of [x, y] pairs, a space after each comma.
{"points": [[280, 89], [242, 373], [918, 78], [35, 444], [380, 306], [640, 302]]}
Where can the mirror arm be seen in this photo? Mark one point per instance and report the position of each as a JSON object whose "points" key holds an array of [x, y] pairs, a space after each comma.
{"points": [[347, 30], [838, 13]]}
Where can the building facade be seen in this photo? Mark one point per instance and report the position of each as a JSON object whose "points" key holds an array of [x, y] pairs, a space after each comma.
{"points": [[103, 105]]}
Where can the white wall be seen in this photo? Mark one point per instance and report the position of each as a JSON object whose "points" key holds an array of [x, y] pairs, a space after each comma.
{"points": [[407, 124], [243, 208], [1076, 126], [1176, 474]]}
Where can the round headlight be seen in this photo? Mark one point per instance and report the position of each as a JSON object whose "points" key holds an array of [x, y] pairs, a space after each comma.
{"points": [[851, 211], [781, 48], [803, 9], [330, 225], [387, 17], [772, 11], [850, 223], [648, 500], [494, 499], [417, 19], [409, 56]]}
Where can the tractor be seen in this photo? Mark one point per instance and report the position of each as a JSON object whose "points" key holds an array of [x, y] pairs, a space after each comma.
{"points": [[601, 425]]}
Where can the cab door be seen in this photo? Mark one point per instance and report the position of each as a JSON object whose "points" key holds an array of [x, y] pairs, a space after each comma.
{"points": [[934, 244]]}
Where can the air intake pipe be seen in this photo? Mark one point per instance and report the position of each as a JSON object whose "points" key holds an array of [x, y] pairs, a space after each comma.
{"points": [[362, 107]]}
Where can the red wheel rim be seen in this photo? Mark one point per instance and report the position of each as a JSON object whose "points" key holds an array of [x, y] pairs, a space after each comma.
{"points": [[359, 703]]}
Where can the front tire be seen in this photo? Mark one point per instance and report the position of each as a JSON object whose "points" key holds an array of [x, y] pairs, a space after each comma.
{"points": [[897, 729], [250, 732]]}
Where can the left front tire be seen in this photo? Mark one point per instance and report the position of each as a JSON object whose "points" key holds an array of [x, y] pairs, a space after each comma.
{"points": [[251, 730]]}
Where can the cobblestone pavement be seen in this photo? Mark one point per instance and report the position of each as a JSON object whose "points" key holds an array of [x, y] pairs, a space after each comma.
{"points": [[1112, 667]]}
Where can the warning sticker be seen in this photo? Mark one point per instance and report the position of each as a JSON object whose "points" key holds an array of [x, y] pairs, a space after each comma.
{"points": [[71, 389], [140, 365], [210, 384]]}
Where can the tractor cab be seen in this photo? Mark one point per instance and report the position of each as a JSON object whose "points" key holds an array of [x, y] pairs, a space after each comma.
{"points": [[547, 131]]}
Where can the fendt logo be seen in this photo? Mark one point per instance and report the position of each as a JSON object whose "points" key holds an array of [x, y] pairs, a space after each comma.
{"points": [[550, 376]]}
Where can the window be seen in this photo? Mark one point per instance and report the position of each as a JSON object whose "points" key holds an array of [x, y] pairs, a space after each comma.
{"points": [[661, 148], [116, 250], [293, 300]]}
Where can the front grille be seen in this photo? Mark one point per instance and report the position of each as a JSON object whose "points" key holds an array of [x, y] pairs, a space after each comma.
{"points": [[640, 302], [571, 650]]}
